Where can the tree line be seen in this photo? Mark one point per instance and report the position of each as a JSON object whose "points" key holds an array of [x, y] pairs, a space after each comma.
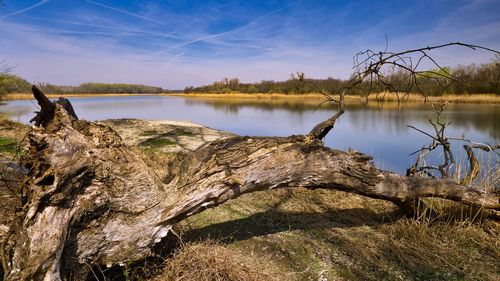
{"points": [[470, 79], [14, 84]]}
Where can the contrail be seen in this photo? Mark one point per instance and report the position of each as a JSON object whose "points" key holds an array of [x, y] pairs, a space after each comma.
{"points": [[124, 12], [169, 62], [117, 29], [25, 9], [233, 30]]}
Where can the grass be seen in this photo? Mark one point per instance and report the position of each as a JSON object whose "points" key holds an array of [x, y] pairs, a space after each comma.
{"points": [[387, 97], [8, 145], [149, 133], [209, 260], [474, 98], [328, 235], [157, 142]]}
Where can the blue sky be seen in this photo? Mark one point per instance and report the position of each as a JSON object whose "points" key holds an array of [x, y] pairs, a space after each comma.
{"points": [[174, 44]]}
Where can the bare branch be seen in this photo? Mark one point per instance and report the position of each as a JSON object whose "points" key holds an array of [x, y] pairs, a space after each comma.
{"points": [[439, 139], [474, 167], [6, 68], [372, 66]]}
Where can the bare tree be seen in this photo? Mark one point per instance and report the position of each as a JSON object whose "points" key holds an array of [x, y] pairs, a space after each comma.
{"points": [[88, 199], [5, 68], [376, 69]]}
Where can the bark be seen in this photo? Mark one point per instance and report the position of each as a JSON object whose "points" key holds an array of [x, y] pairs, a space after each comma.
{"points": [[47, 108], [90, 199], [322, 129]]}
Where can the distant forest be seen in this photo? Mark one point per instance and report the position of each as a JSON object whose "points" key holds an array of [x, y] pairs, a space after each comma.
{"points": [[474, 79], [14, 84]]}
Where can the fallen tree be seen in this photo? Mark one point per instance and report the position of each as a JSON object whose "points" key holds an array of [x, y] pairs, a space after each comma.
{"points": [[88, 199]]}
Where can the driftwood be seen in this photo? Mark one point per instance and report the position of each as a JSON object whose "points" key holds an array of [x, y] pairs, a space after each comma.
{"points": [[91, 200]]}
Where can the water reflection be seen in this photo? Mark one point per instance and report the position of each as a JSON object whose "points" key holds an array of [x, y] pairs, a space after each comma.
{"points": [[395, 117], [378, 130]]}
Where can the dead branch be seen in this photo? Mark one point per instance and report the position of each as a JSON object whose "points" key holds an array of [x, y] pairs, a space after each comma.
{"points": [[321, 130], [474, 167], [440, 140], [47, 108], [375, 67]]}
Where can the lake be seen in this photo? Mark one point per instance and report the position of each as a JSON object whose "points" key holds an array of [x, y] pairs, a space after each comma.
{"points": [[377, 130]]}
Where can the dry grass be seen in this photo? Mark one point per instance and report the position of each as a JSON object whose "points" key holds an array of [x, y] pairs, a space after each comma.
{"points": [[12, 129], [313, 97], [382, 97], [235, 95], [475, 98], [309, 235], [209, 260]]}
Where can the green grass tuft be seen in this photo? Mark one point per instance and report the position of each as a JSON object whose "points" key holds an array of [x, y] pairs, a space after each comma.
{"points": [[158, 142], [8, 145], [149, 133]]}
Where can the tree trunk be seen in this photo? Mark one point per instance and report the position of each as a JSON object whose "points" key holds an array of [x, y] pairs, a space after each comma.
{"points": [[90, 199]]}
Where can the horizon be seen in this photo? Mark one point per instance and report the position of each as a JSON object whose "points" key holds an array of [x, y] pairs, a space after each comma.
{"points": [[174, 45]]}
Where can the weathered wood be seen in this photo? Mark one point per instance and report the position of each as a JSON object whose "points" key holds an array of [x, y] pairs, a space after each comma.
{"points": [[322, 129], [91, 199], [47, 108]]}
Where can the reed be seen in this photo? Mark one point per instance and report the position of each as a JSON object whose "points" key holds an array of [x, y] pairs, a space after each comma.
{"points": [[381, 97]]}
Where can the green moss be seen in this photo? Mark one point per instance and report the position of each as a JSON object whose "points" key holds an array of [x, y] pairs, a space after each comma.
{"points": [[174, 133], [8, 145], [181, 132], [149, 133], [158, 142]]}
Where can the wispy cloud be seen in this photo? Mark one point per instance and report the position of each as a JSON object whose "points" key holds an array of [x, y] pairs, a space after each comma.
{"points": [[206, 37], [78, 41], [125, 12], [172, 59], [25, 9]]}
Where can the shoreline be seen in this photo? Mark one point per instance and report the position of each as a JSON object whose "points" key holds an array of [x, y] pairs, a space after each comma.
{"points": [[474, 98]]}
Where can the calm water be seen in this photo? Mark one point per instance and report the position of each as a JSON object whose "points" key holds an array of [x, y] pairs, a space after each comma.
{"points": [[381, 133]]}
